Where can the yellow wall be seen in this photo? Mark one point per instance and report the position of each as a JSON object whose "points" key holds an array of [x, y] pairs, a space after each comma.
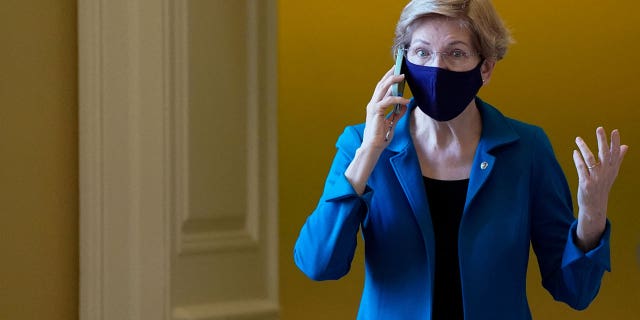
{"points": [[574, 67], [38, 166]]}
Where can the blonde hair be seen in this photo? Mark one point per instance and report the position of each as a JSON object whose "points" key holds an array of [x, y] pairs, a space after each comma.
{"points": [[491, 37]]}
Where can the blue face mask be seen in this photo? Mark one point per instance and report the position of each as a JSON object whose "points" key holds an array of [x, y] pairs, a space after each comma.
{"points": [[442, 94]]}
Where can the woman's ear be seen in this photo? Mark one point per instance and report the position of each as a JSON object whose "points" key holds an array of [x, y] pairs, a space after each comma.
{"points": [[486, 70]]}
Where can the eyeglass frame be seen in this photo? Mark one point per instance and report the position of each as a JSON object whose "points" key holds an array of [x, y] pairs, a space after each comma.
{"points": [[444, 55]]}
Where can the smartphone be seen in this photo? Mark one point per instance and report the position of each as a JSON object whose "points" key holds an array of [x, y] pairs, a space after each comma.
{"points": [[397, 89]]}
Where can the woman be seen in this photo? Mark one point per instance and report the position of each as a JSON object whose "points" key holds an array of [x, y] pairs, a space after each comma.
{"points": [[451, 199]]}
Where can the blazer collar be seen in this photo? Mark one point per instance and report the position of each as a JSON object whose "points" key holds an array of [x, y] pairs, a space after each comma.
{"points": [[496, 130]]}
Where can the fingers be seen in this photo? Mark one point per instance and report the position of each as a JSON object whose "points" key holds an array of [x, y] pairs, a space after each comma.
{"points": [[623, 150], [614, 150], [379, 126], [587, 156], [383, 88], [613, 153], [618, 151], [610, 155], [381, 107], [380, 90], [581, 168], [604, 153], [393, 100]]}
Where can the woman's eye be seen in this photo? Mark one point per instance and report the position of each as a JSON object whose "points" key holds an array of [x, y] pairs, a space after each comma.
{"points": [[457, 53], [423, 53]]}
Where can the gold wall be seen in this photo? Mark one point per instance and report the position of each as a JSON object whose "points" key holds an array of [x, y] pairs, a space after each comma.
{"points": [[38, 160], [574, 67]]}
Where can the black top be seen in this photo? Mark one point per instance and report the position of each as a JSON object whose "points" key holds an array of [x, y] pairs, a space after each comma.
{"points": [[446, 202]]}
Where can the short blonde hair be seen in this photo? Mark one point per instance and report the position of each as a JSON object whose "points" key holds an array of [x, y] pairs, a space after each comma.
{"points": [[491, 37]]}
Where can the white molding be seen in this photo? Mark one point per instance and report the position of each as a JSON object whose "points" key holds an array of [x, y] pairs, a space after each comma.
{"points": [[124, 263], [219, 241], [234, 310], [246, 237], [269, 80], [129, 86], [91, 159]]}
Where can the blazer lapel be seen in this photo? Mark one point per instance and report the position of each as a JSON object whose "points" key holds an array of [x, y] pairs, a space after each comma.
{"points": [[407, 169], [496, 132], [483, 164]]}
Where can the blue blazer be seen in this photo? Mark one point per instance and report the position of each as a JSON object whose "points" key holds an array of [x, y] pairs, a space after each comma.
{"points": [[517, 196]]}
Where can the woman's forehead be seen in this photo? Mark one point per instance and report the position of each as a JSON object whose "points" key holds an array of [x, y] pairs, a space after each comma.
{"points": [[440, 31]]}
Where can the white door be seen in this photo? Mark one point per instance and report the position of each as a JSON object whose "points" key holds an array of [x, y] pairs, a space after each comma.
{"points": [[178, 159]]}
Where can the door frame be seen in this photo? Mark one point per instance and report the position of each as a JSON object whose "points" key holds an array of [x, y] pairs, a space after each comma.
{"points": [[126, 155]]}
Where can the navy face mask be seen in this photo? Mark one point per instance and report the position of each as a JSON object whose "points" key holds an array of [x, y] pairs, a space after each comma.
{"points": [[442, 94]]}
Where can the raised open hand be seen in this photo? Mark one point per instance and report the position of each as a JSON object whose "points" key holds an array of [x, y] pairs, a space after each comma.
{"points": [[596, 174]]}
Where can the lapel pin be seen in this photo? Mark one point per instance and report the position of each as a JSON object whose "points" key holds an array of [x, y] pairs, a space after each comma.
{"points": [[484, 165]]}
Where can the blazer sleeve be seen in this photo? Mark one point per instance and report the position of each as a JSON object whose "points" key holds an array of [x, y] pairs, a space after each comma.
{"points": [[327, 241], [570, 275]]}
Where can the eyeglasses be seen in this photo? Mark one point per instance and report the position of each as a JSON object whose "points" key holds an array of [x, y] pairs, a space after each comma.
{"points": [[454, 58]]}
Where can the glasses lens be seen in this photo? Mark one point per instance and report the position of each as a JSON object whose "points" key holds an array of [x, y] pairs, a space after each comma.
{"points": [[456, 58]]}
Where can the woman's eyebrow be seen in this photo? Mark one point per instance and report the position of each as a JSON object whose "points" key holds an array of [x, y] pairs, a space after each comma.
{"points": [[457, 42], [424, 42], [449, 44]]}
